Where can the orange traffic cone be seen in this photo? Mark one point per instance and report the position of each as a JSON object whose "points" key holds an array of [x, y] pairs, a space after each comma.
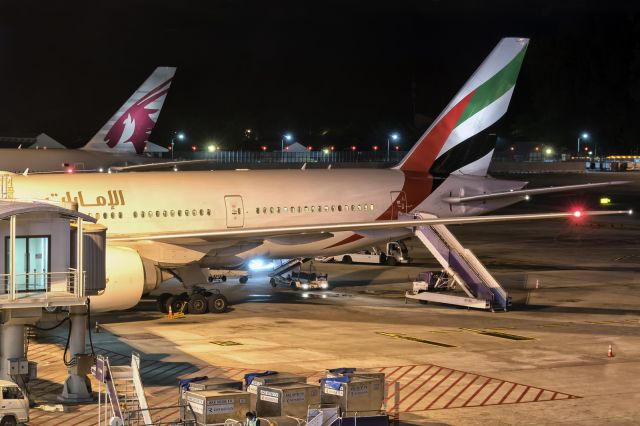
{"points": [[610, 352], [170, 316]]}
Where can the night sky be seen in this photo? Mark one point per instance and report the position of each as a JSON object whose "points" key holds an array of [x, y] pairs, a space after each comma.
{"points": [[345, 72]]}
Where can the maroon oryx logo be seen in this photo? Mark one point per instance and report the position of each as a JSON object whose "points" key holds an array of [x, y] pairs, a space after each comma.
{"points": [[136, 123]]}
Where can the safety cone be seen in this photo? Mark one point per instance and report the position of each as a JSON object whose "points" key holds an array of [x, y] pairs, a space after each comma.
{"points": [[170, 316], [610, 352]]}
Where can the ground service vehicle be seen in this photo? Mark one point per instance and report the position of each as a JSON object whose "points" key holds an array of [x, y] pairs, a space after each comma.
{"points": [[395, 252], [14, 406]]}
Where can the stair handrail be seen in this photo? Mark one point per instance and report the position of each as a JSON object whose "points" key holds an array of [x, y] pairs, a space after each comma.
{"points": [[111, 389], [139, 388]]}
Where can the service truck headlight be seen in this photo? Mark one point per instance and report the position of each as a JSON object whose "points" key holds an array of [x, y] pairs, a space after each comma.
{"points": [[305, 286], [324, 285]]}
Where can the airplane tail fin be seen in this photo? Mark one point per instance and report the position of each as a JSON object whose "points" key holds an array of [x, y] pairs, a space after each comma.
{"points": [[449, 146], [129, 128]]}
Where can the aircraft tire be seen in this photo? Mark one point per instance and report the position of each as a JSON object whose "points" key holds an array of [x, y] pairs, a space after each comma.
{"points": [[273, 282], [175, 302], [243, 279], [198, 304], [391, 261], [161, 302], [347, 260], [217, 303]]}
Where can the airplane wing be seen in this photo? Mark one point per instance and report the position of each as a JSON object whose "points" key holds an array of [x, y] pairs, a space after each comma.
{"points": [[281, 231], [528, 192], [157, 166]]}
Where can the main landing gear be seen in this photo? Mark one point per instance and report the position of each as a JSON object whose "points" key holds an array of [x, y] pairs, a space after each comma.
{"points": [[199, 302]]}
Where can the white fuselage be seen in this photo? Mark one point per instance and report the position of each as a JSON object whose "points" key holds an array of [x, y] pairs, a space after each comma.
{"points": [[131, 204], [58, 160]]}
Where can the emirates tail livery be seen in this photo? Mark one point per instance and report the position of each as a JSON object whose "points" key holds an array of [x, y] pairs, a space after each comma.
{"points": [[166, 223], [119, 142]]}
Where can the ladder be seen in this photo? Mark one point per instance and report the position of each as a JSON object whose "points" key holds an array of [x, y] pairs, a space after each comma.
{"points": [[124, 396], [288, 266], [481, 288]]}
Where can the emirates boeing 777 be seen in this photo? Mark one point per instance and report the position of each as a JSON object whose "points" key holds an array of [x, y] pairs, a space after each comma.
{"points": [[162, 223]]}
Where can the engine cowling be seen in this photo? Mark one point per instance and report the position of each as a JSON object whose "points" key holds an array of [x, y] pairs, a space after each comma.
{"points": [[125, 281]]}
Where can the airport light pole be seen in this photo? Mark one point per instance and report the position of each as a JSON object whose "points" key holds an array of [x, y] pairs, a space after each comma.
{"points": [[584, 136], [393, 136], [176, 135], [289, 138]]}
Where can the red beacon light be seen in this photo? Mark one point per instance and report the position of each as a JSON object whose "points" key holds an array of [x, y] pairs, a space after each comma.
{"points": [[69, 170], [577, 214]]}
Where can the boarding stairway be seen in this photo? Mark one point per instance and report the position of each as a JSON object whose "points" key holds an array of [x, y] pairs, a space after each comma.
{"points": [[464, 268], [290, 265], [124, 397]]}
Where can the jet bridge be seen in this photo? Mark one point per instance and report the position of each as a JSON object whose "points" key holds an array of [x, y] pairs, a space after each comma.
{"points": [[464, 269]]}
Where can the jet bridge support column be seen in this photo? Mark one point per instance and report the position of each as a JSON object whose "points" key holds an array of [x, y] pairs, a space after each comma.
{"points": [[77, 387]]}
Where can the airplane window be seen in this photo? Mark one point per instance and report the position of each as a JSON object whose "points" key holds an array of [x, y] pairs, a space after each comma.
{"points": [[201, 212], [346, 208], [142, 214], [270, 209], [293, 209], [179, 213], [359, 207], [326, 208], [299, 209], [257, 210], [135, 215], [313, 209], [353, 207], [113, 215], [264, 210], [333, 208], [306, 209], [164, 213], [104, 215], [366, 207], [172, 213], [285, 209], [339, 207], [371, 206], [194, 212], [278, 210], [319, 209], [150, 213], [208, 212], [186, 212], [119, 215]]}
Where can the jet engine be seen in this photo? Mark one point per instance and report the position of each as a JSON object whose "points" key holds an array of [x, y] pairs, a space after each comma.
{"points": [[128, 276]]}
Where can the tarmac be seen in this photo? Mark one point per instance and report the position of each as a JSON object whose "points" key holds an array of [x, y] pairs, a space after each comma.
{"points": [[575, 289]]}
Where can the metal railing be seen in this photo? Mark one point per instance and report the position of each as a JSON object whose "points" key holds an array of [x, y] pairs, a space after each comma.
{"points": [[40, 285], [296, 157]]}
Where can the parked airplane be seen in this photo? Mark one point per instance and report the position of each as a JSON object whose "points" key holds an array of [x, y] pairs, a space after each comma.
{"points": [[120, 141], [162, 223]]}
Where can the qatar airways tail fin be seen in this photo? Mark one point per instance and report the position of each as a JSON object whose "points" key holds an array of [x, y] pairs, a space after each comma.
{"points": [[129, 128], [448, 146]]}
